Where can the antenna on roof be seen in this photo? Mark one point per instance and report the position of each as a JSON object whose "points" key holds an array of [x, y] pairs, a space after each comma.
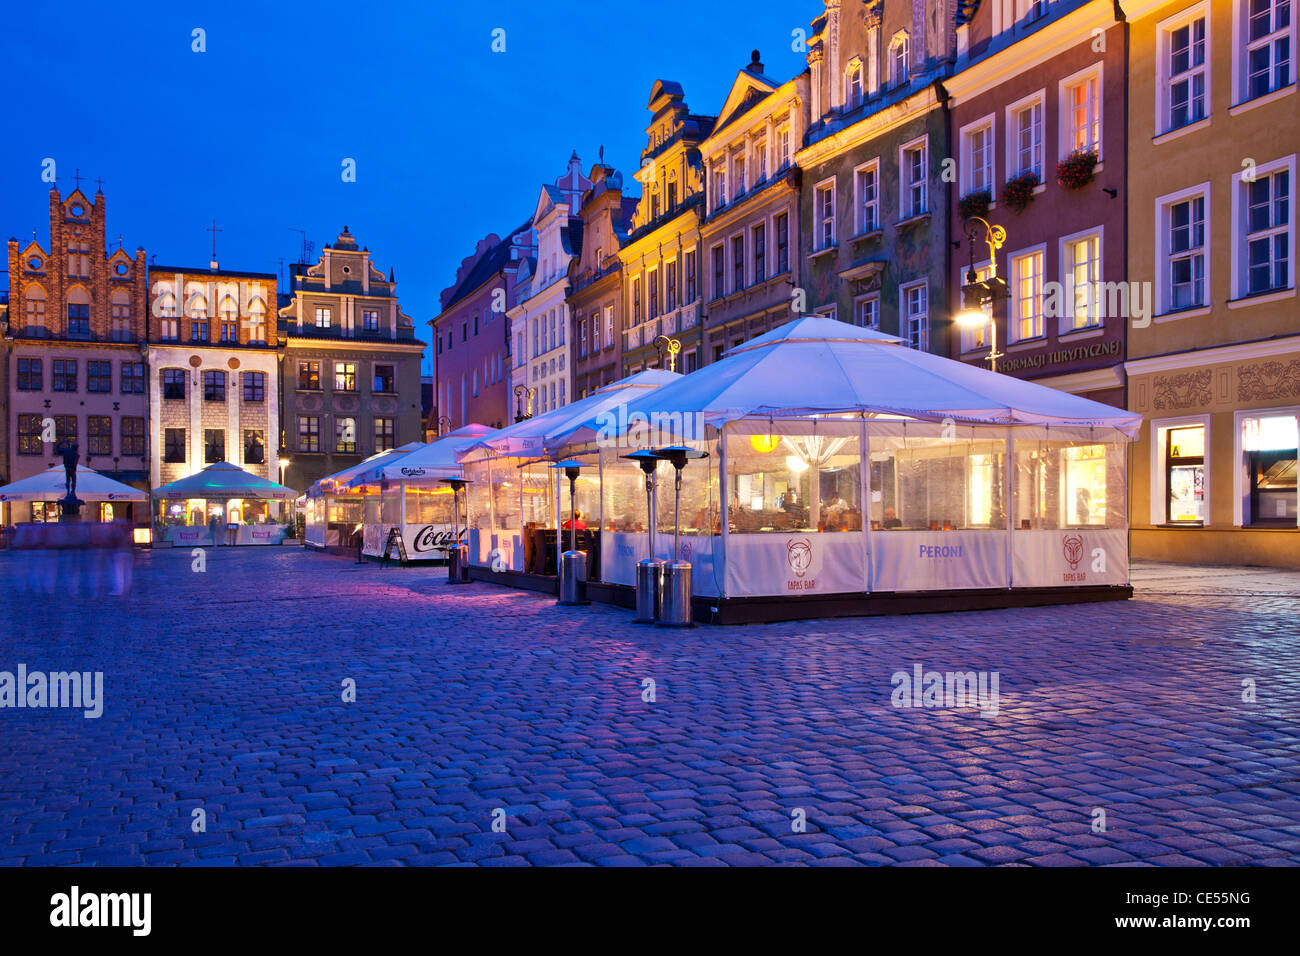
{"points": [[308, 248]]}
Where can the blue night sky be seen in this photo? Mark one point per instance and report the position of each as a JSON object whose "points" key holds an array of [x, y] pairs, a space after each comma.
{"points": [[451, 140]]}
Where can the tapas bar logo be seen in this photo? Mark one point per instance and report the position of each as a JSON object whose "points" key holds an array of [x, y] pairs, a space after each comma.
{"points": [[1072, 547], [799, 555], [75, 909], [921, 688], [77, 690]]}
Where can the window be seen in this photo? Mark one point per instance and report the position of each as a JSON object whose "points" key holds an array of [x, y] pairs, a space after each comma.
{"points": [[132, 436], [214, 387], [119, 310], [916, 315], [609, 324], [1182, 81], [65, 426], [738, 173], [309, 433], [214, 445], [345, 376], [256, 322], [866, 311], [30, 378], [99, 435], [781, 225], [1081, 113], [99, 376], [132, 379], [174, 445], [760, 253], [370, 320], [737, 263], [783, 146], [652, 290], [1268, 39], [385, 434], [1026, 296], [670, 285], [79, 259], [384, 379], [1025, 137], [1264, 219], [345, 433], [914, 179], [760, 158], [977, 157], [65, 375], [595, 332], [1181, 250], [719, 270], [899, 65], [853, 85], [254, 386], [582, 337], [1081, 258], [719, 186], [79, 320], [636, 300], [324, 316], [866, 188], [173, 383], [824, 214], [254, 446], [476, 323], [29, 435], [198, 329], [309, 376], [1268, 445], [34, 302], [228, 313]]}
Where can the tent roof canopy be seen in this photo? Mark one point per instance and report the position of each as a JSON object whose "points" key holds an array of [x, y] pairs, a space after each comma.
{"points": [[819, 366], [51, 485], [534, 436], [340, 479], [224, 480], [437, 459]]}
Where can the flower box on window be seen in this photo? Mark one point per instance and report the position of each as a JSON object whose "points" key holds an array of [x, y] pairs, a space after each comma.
{"points": [[1018, 192], [975, 203], [1076, 170]]}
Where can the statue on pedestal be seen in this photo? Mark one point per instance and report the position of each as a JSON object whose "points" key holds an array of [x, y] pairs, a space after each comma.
{"points": [[69, 504]]}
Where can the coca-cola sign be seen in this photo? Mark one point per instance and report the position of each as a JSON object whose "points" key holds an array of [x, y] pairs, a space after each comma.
{"points": [[434, 537]]}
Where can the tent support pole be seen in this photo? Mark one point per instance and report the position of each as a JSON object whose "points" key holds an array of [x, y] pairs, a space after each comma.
{"points": [[1008, 477], [724, 502], [864, 480]]}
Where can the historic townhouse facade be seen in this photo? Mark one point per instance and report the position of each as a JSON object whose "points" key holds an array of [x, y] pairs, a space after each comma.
{"points": [[750, 233], [1036, 86], [471, 335], [350, 365], [661, 260], [539, 320], [595, 282], [1212, 227], [213, 372], [873, 202], [73, 352]]}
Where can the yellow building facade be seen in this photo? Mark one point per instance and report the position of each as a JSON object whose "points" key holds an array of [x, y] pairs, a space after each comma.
{"points": [[1215, 370]]}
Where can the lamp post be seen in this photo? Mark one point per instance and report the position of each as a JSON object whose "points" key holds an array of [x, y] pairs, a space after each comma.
{"points": [[571, 561], [667, 349], [457, 556], [650, 570], [284, 463], [676, 604], [524, 397], [977, 293]]}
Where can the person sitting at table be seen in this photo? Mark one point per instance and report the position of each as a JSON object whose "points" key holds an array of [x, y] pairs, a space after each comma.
{"points": [[891, 519], [791, 500], [575, 522]]}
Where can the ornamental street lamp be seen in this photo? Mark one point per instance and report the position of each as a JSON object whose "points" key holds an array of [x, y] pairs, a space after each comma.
{"points": [[524, 397], [667, 349], [976, 293]]}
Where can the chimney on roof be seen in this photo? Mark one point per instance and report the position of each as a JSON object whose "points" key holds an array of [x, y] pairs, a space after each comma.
{"points": [[755, 64]]}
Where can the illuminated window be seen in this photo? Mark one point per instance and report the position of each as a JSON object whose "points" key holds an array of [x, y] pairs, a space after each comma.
{"points": [[1269, 443], [1027, 296]]}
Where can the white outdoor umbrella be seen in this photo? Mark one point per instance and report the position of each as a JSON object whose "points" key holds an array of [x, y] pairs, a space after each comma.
{"points": [[340, 480], [222, 480], [51, 485], [434, 460]]}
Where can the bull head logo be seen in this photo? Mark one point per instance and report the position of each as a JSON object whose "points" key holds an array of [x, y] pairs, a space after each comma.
{"points": [[1072, 546], [798, 554]]}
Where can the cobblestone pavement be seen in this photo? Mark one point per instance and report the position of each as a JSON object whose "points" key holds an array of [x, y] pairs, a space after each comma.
{"points": [[223, 692]]}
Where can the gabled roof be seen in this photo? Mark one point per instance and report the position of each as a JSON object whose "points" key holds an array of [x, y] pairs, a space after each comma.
{"points": [[488, 265]]}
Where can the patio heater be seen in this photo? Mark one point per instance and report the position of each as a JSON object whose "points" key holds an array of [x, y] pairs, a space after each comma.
{"points": [[649, 570], [457, 556], [675, 606], [572, 562]]}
